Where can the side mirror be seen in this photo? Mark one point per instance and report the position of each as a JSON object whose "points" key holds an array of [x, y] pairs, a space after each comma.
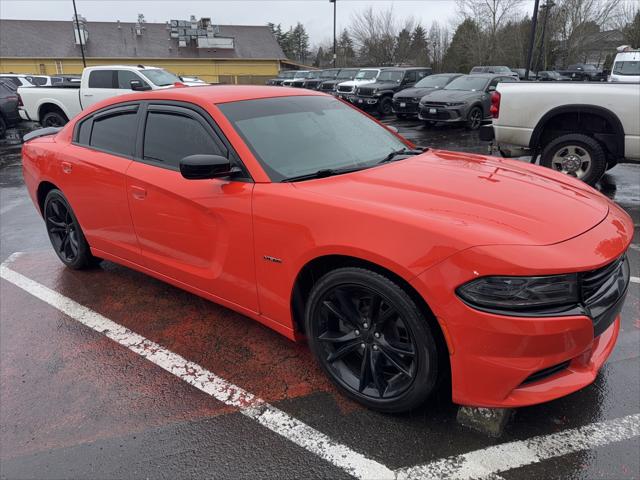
{"points": [[200, 167], [138, 86]]}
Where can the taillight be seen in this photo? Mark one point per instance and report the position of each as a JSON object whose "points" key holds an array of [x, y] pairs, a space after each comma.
{"points": [[20, 104], [495, 105]]}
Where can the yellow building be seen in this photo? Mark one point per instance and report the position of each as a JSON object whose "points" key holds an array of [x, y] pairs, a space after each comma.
{"points": [[217, 54]]}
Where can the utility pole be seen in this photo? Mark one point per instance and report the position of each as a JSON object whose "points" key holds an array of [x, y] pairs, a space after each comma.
{"points": [[532, 38], [335, 55], [80, 34], [546, 7]]}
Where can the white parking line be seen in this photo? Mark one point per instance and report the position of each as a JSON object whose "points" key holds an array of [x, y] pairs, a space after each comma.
{"points": [[251, 406], [635, 279], [487, 462], [635, 247]]}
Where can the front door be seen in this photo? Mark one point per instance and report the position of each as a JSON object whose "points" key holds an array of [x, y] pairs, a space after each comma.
{"points": [[198, 232]]}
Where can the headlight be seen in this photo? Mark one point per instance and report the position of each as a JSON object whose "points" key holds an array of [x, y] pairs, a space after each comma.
{"points": [[521, 293], [376, 93], [454, 104], [416, 99]]}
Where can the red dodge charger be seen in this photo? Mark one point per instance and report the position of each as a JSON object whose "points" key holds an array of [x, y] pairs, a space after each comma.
{"points": [[399, 265]]}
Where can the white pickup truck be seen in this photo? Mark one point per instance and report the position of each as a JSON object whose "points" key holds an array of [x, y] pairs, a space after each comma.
{"points": [[581, 129], [54, 106]]}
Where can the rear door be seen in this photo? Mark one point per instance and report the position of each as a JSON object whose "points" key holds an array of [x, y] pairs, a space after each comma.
{"points": [[198, 232], [94, 180]]}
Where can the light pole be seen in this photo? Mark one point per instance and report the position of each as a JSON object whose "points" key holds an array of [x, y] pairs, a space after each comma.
{"points": [[80, 34], [546, 6], [335, 56], [532, 38]]}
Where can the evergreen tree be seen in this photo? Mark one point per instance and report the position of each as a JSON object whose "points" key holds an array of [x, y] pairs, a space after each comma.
{"points": [[298, 43], [402, 53], [464, 51], [346, 52], [631, 32], [419, 47]]}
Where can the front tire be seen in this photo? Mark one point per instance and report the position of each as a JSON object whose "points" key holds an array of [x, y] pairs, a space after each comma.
{"points": [[65, 234], [474, 118], [371, 340], [386, 106], [576, 155]]}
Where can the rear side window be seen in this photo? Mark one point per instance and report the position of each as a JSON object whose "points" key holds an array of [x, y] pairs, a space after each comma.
{"points": [[115, 133], [169, 137], [102, 79]]}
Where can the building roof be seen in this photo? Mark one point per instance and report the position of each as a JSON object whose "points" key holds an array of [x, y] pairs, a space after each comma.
{"points": [[55, 39]]}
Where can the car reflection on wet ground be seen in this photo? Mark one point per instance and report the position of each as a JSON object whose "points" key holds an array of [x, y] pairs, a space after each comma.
{"points": [[74, 403]]}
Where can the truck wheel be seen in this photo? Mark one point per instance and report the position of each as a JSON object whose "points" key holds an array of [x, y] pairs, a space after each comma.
{"points": [[386, 106], [3, 127], [474, 118], [54, 119], [577, 155]]}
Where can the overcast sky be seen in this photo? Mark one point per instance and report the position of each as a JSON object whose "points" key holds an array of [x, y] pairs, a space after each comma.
{"points": [[316, 15]]}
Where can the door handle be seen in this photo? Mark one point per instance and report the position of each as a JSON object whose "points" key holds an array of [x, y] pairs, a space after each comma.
{"points": [[138, 193], [88, 94], [66, 167]]}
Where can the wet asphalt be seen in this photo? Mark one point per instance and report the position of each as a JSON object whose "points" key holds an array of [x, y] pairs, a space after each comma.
{"points": [[73, 404]]}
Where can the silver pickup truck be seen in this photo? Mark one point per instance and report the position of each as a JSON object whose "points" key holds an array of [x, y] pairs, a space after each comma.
{"points": [[581, 129]]}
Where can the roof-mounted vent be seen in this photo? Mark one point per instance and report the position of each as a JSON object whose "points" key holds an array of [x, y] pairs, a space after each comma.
{"points": [[199, 33], [140, 26], [80, 31]]}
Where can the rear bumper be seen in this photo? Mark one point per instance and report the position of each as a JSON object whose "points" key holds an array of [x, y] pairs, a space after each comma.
{"points": [[504, 361], [486, 133], [23, 114]]}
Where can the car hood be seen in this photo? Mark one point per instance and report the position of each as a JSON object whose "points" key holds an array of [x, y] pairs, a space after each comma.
{"points": [[383, 85], [454, 95], [475, 199], [415, 92], [355, 83]]}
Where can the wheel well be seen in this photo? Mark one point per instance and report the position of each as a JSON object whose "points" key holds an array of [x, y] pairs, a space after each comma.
{"points": [[43, 189], [316, 268], [598, 123], [50, 107]]}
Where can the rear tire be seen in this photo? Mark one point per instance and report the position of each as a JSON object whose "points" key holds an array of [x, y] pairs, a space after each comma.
{"points": [[3, 127], [371, 340], [65, 234], [577, 155], [54, 119]]}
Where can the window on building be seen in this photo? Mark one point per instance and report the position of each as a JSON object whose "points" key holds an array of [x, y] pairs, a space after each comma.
{"points": [[59, 67]]}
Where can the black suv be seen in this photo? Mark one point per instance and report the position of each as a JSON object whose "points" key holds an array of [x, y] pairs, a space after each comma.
{"points": [[282, 76], [343, 75], [379, 95]]}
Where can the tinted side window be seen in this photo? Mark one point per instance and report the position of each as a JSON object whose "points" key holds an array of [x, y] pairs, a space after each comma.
{"points": [[115, 133], [84, 132], [125, 77], [13, 80], [102, 79], [169, 137], [410, 76]]}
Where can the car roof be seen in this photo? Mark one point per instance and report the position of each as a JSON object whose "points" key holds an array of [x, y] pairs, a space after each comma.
{"points": [[216, 94]]}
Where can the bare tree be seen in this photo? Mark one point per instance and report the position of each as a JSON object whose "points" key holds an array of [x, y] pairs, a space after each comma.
{"points": [[439, 43]]}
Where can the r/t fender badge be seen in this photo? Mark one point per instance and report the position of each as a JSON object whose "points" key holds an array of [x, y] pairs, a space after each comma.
{"points": [[272, 259]]}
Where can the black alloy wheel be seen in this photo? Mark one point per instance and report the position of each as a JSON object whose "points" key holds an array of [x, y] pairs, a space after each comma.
{"points": [[54, 119], [65, 233], [474, 118], [386, 106], [371, 339]]}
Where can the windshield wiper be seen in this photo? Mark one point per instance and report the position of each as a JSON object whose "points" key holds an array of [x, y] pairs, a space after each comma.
{"points": [[397, 153], [325, 172]]}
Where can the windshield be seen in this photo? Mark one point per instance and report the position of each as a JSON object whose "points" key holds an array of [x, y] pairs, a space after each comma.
{"points": [[390, 76], [301, 75], [433, 81], [630, 67], [471, 84], [477, 69], [160, 77], [329, 74], [367, 74], [347, 74], [293, 136]]}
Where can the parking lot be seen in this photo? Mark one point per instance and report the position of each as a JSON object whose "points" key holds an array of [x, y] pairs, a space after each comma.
{"points": [[108, 373]]}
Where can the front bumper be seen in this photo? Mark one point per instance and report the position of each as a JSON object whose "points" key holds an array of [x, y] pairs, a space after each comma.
{"points": [[365, 103], [405, 107], [506, 361], [445, 114]]}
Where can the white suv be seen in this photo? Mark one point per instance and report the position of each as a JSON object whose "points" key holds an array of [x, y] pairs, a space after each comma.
{"points": [[364, 76], [626, 66]]}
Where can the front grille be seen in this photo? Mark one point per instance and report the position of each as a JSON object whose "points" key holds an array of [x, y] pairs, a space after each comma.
{"points": [[407, 99], [434, 104], [345, 89], [312, 84], [365, 92], [326, 86], [594, 280], [546, 372]]}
